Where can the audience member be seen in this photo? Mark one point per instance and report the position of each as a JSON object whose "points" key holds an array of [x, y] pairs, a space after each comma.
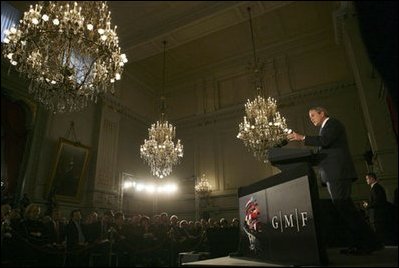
{"points": [[25, 201]]}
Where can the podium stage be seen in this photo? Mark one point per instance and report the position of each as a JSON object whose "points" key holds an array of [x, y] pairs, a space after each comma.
{"points": [[231, 261], [387, 257]]}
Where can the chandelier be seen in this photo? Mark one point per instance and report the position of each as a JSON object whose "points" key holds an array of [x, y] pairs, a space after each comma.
{"points": [[68, 51], [159, 151], [203, 187], [263, 126]]}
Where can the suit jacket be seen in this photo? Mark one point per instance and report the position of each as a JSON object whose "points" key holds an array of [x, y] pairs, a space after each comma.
{"points": [[378, 208], [335, 161], [378, 197], [56, 231], [72, 235]]}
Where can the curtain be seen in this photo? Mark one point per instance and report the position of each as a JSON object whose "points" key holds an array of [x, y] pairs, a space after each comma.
{"points": [[14, 136]]}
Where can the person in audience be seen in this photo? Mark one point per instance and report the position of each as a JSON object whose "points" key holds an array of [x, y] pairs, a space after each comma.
{"points": [[337, 172], [55, 228], [120, 226], [197, 230], [164, 217], [5, 222], [146, 229], [25, 201], [235, 223], [173, 226], [74, 233], [76, 240], [15, 218], [107, 222], [223, 223], [160, 226], [5, 211], [32, 228], [92, 228]]}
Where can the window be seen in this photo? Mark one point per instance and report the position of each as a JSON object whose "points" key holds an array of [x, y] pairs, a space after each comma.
{"points": [[9, 17]]}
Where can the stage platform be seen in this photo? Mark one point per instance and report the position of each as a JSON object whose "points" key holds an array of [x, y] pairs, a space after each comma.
{"points": [[387, 257]]}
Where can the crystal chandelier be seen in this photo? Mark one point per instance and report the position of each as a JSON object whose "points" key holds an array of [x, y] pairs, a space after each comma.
{"points": [[263, 126], [68, 51], [203, 187], [160, 151]]}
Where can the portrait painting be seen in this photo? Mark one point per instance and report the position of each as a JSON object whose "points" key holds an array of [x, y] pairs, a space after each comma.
{"points": [[69, 171]]}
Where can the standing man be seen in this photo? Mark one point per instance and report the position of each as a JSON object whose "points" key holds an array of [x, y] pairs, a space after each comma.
{"points": [[380, 211], [337, 172]]}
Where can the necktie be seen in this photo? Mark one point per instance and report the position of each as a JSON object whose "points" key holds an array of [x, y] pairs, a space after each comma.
{"points": [[319, 148], [57, 231], [80, 233]]}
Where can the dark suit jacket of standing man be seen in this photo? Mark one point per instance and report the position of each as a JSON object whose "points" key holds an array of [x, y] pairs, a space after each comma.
{"points": [[382, 215], [377, 203], [335, 159], [378, 196]]}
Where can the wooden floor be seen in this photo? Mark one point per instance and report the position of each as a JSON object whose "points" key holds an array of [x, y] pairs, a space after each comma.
{"points": [[387, 257]]}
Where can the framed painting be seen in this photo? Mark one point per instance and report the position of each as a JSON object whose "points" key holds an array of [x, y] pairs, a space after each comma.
{"points": [[69, 171]]}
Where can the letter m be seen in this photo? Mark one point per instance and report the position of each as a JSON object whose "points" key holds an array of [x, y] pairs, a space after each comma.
{"points": [[288, 221]]}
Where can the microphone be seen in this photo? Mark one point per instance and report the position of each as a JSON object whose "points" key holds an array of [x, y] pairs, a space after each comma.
{"points": [[282, 143]]}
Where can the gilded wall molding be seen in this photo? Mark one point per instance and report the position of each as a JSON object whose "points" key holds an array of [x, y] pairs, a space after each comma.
{"points": [[287, 100], [102, 199], [107, 150], [114, 104]]}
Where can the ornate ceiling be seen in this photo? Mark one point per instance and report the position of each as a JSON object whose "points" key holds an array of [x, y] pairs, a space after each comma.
{"points": [[206, 36]]}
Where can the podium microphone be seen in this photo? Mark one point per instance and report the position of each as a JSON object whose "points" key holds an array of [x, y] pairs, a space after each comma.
{"points": [[282, 143]]}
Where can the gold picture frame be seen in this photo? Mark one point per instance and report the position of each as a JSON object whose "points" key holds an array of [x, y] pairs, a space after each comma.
{"points": [[69, 171]]}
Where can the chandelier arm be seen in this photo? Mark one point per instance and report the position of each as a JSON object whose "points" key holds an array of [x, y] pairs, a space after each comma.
{"points": [[87, 74], [163, 106], [34, 42], [68, 59], [252, 36], [63, 56], [164, 68]]}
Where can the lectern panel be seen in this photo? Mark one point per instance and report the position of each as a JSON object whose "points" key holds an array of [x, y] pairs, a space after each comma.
{"points": [[277, 222]]}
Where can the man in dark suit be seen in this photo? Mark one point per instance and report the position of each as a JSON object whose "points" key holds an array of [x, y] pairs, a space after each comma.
{"points": [[337, 172], [380, 211], [75, 241]]}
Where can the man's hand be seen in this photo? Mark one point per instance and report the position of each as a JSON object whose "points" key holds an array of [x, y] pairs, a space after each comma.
{"points": [[295, 137]]}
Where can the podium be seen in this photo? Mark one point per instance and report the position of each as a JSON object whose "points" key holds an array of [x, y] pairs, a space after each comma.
{"points": [[279, 219], [287, 158]]}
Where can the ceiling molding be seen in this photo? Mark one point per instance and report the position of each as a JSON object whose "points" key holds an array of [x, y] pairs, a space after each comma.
{"points": [[217, 21], [238, 65]]}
